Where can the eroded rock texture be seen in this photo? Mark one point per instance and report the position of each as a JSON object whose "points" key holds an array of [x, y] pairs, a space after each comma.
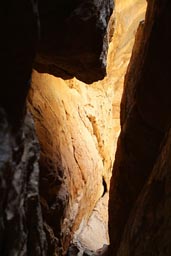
{"points": [[78, 125], [138, 207], [74, 40], [21, 224]]}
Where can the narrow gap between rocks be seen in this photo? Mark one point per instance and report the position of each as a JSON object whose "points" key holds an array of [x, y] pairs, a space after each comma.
{"points": [[78, 125]]}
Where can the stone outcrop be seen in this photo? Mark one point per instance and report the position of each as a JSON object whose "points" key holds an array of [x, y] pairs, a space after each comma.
{"points": [[140, 171], [74, 38]]}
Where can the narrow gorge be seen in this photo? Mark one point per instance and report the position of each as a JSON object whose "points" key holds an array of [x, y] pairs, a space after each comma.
{"points": [[85, 111]]}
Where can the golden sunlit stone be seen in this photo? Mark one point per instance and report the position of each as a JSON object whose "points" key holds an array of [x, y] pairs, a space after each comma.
{"points": [[78, 126]]}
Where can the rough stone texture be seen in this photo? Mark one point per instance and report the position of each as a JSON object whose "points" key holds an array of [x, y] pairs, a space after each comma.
{"points": [[21, 225], [78, 125], [65, 132], [74, 40], [146, 111]]}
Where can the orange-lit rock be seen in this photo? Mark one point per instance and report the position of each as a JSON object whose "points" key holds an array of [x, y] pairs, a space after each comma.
{"points": [[78, 125]]}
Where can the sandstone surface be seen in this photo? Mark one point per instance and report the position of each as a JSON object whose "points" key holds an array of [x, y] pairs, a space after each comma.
{"points": [[78, 125]]}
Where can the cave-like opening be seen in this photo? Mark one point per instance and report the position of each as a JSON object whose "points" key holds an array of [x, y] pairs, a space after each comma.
{"points": [[55, 190]]}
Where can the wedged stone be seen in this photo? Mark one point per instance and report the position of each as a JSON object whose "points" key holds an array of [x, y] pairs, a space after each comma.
{"points": [[74, 38]]}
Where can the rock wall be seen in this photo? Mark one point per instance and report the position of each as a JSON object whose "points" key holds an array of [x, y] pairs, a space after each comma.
{"points": [[21, 224], [21, 23], [78, 125], [138, 206]]}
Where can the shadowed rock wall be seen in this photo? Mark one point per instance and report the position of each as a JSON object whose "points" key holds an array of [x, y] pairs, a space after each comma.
{"points": [[19, 29], [21, 224], [145, 119]]}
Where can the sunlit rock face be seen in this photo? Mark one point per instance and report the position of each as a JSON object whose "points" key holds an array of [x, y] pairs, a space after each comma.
{"points": [[71, 162], [139, 208], [78, 125]]}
